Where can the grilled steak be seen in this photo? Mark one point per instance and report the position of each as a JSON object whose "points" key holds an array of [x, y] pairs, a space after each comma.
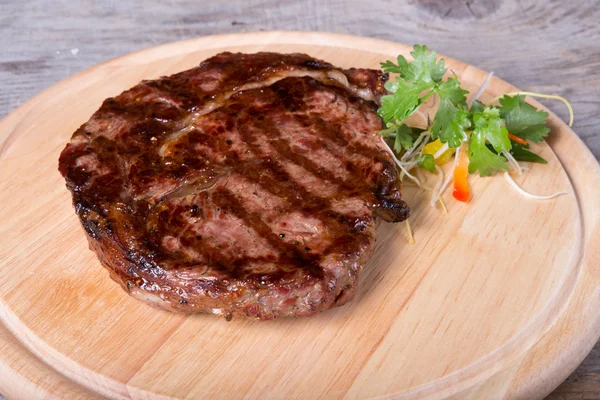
{"points": [[247, 186]]}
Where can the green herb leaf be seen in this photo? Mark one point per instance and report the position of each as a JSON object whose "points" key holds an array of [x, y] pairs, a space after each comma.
{"points": [[403, 101], [483, 159], [520, 153], [451, 90], [401, 68], [424, 68], [477, 106], [489, 124], [426, 161], [404, 138], [450, 123], [522, 119]]}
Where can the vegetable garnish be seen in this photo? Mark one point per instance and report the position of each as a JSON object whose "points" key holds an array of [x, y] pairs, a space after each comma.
{"points": [[545, 96], [461, 186], [411, 239], [517, 139], [525, 193], [484, 139]]}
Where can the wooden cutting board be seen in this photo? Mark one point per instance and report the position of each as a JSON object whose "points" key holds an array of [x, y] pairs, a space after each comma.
{"points": [[499, 298]]}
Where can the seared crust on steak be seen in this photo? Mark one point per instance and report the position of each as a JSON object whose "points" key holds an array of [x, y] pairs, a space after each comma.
{"points": [[244, 187]]}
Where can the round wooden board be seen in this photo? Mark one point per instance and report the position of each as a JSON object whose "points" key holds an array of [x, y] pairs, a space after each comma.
{"points": [[497, 299]]}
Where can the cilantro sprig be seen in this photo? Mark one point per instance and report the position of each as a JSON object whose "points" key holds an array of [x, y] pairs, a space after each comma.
{"points": [[523, 120], [417, 81], [484, 129], [488, 126]]}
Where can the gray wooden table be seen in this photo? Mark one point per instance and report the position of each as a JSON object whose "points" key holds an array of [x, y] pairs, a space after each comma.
{"points": [[541, 46]]}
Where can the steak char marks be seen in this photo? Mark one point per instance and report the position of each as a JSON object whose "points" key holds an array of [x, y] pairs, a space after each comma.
{"points": [[247, 186]]}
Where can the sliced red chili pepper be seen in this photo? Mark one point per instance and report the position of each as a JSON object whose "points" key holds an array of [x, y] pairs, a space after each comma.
{"points": [[517, 139], [461, 186]]}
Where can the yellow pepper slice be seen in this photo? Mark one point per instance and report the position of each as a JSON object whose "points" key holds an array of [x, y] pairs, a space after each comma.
{"points": [[433, 147]]}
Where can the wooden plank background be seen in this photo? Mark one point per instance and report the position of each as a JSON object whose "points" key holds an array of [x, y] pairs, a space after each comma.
{"points": [[542, 46]]}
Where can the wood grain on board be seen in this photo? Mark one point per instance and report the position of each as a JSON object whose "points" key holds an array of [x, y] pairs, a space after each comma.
{"points": [[544, 46]]}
